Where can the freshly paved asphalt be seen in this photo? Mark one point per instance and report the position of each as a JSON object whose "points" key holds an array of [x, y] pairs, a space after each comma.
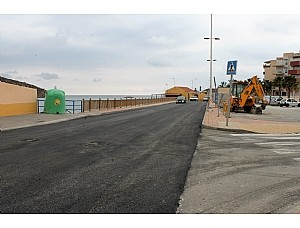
{"points": [[129, 162]]}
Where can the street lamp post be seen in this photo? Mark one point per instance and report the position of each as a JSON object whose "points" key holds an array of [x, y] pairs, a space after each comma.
{"points": [[193, 83], [173, 81], [210, 60]]}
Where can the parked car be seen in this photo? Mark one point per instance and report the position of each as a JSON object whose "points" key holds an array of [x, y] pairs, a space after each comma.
{"points": [[289, 102], [194, 98], [180, 99], [205, 98], [275, 101]]}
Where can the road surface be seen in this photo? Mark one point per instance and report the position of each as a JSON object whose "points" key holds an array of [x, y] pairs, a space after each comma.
{"points": [[243, 173], [125, 162]]}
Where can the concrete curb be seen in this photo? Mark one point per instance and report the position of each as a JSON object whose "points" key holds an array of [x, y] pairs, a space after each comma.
{"points": [[229, 129]]}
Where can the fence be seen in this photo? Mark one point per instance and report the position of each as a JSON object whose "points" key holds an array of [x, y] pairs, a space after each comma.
{"points": [[75, 106], [102, 104]]}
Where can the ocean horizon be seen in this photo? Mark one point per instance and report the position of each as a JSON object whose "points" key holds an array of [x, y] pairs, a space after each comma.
{"points": [[104, 97]]}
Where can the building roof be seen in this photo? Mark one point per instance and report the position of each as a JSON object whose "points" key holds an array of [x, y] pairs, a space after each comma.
{"points": [[40, 91], [186, 89]]}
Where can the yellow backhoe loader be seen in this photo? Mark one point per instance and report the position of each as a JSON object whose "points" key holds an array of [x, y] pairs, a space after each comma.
{"points": [[244, 95]]}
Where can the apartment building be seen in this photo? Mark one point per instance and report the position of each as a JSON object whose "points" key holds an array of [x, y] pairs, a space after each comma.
{"points": [[295, 66], [286, 65], [269, 70]]}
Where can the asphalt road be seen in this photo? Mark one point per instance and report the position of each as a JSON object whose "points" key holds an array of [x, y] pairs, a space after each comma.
{"points": [[243, 173], [125, 162]]}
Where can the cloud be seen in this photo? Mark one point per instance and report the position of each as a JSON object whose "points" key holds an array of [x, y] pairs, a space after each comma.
{"points": [[158, 61], [48, 76], [11, 74], [97, 80], [161, 40], [128, 51]]}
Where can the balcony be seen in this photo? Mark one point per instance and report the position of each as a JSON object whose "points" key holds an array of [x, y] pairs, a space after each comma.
{"points": [[295, 63], [294, 72], [279, 63], [296, 55], [279, 72]]}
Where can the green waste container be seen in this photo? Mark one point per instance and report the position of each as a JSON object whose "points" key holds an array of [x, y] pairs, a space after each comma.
{"points": [[55, 102]]}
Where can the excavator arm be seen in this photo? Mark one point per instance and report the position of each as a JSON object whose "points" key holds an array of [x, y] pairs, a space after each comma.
{"points": [[246, 100], [258, 88], [246, 94], [254, 85]]}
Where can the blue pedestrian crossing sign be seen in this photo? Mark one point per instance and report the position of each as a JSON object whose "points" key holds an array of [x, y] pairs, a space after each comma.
{"points": [[231, 67]]}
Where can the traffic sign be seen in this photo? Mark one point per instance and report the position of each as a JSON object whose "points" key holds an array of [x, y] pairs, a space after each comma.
{"points": [[231, 67]]}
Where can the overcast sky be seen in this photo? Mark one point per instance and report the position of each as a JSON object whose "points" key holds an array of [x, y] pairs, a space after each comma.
{"points": [[138, 53]]}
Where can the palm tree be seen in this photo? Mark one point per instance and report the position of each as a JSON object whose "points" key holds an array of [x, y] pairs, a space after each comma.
{"points": [[278, 81], [268, 87], [223, 84], [290, 83]]}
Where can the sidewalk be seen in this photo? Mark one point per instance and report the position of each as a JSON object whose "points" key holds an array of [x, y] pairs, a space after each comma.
{"points": [[244, 125], [215, 120]]}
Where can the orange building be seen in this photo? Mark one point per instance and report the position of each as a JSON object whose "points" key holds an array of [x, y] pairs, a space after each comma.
{"points": [[17, 100], [183, 91]]}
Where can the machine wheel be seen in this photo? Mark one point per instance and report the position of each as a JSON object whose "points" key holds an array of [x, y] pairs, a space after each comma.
{"points": [[247, 109], [287, 105], [258, 110]]}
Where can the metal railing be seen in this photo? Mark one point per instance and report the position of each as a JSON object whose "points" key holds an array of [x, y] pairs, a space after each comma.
{"points": [[72, 106]]}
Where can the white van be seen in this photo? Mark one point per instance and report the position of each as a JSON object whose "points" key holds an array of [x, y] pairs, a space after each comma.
{"points": [[194, 98]]}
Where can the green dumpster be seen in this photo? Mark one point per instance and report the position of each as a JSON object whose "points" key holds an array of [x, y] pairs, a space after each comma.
{"points": [[55, 102]]}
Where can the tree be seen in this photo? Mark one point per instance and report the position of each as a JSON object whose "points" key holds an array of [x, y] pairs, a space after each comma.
{"points": [[278, 81], [290, 83], [267, 86], [296, 87], [223, 85]]}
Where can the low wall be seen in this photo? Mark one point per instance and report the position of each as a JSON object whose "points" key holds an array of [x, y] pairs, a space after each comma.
{"points": [[17, 100]]}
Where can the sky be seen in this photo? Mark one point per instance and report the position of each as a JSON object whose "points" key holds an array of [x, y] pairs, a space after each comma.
{"points": [[116, 52]]}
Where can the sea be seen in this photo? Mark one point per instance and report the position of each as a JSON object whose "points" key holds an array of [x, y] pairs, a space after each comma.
{"points": [[104, 97]]}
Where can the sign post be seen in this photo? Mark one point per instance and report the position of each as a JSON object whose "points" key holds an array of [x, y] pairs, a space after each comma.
{"points": [[231, 70]]}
